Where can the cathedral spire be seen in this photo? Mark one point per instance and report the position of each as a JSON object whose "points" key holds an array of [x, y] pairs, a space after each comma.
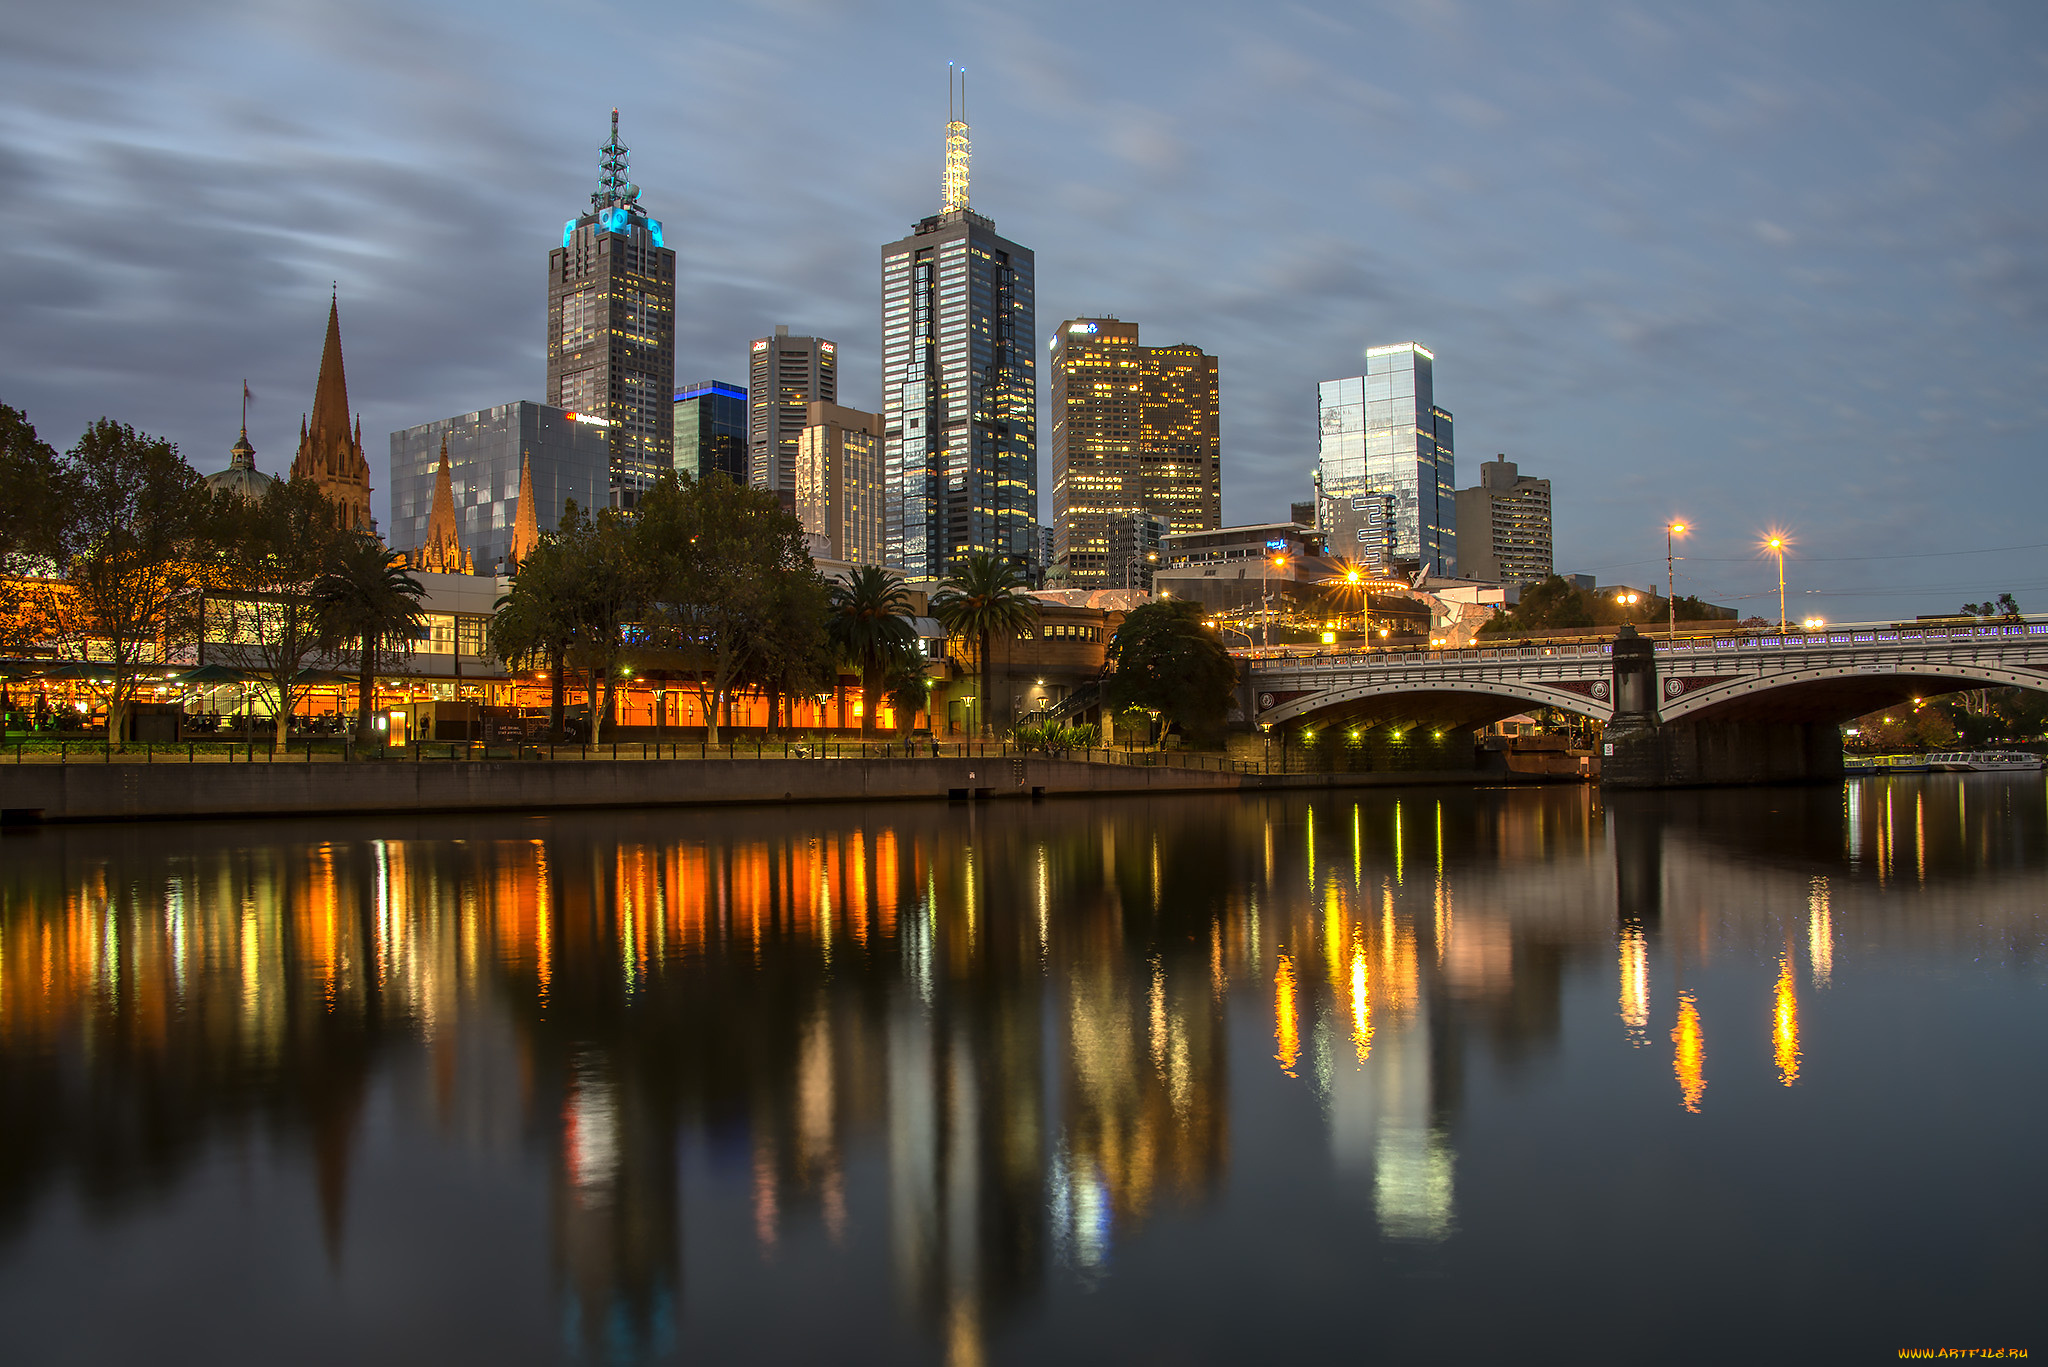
{"points": [[444, 553], [330, 454]]}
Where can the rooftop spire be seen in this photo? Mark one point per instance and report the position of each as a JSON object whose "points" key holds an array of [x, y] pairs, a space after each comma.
{"points": [[953, 190], [614, 187]]}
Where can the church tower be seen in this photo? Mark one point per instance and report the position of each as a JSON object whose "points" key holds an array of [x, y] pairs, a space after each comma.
{"points": [[329, 453], [444, 552]]}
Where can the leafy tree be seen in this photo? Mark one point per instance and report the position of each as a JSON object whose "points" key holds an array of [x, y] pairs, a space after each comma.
{"points": [[366, 601], [719, 559], [129, 534], [30, 510], [1166, 661], [1547, 605], [794, 654], [868, 623], [532, 623], [2004, 606], [271, 551], [981, 600], [603, 585]]}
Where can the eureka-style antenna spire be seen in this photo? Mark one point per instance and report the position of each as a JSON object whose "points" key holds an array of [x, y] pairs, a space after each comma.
{"points": [[953, 189], [614, 186]]}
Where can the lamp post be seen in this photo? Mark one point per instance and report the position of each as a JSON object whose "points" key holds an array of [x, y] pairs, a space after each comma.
{"points": [[1269, 564], [1776, 546], [1671, 529]]}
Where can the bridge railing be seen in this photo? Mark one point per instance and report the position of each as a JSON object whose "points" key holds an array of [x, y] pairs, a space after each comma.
{"points": [[1848, 634]]}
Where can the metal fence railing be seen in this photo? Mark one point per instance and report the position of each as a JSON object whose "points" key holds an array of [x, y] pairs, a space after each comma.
{"points": [[88, 751]]}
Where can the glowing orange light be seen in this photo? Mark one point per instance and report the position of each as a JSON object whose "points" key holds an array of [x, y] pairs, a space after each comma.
{"points": [[1689, 1059], [1785, 1024], [1286, 1029]]}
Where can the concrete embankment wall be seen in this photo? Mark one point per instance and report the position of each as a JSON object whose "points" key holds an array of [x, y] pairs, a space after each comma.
{"points": [[117, 792]]}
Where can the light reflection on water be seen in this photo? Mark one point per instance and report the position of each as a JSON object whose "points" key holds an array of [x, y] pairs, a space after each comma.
{"points": [[935, 1073]]}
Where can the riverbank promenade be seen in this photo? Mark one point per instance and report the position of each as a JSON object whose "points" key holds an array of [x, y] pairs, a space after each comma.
{"points": [[174, 782]]}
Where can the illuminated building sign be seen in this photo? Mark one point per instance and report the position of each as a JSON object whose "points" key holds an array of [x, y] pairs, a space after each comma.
{"points": [[1081, 330], [586, 418]]}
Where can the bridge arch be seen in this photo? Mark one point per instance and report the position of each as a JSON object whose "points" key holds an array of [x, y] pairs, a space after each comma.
{"points": [[1835, 693], [1475, 701]]}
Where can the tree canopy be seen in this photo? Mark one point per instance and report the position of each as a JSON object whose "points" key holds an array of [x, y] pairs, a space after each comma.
{"points": [[1166, 661], [981, 600]]}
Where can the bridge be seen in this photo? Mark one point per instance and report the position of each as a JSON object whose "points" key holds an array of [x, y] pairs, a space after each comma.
{"points": [[1740, 707]]}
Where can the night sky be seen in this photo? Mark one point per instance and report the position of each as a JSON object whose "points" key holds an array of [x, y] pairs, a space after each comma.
{"points": [[1751, 264]]}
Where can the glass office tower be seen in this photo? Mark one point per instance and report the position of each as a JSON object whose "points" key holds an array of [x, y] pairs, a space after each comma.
{"points": [[565, 459], [959, 388], [1383, 435], [711, 430]]}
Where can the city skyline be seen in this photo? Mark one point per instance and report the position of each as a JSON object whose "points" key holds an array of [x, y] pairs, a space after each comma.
{"points": [[1748, 250]]}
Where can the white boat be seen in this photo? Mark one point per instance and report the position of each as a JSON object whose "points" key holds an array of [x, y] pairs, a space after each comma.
{"points": [[1984, 761]]}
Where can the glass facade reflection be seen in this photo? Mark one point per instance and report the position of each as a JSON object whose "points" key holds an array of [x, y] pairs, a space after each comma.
{"points": [[1386, 443], [569, 460]]}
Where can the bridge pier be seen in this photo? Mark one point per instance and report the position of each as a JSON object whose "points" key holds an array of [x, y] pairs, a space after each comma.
{"points": [[1640, 750]]}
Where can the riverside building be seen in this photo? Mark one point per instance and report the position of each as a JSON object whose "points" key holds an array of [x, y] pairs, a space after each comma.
{"points": [[1383, 434], [1134, 440], [786, 376], [1504, 526], [959, 386], [612, 327]]}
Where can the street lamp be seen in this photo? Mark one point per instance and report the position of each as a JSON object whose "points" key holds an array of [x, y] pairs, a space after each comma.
{"points": [[1672, 529], [1776, 546], [1626, 601], [1270, 563]]}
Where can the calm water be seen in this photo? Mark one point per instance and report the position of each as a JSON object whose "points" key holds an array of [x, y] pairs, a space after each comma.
{"points": [[1436, 1075]]}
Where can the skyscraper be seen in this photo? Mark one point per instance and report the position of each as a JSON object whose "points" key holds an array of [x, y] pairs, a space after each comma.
{"points": [[959, 385], [788, 374], [612, 327], [1134, 436], [1504, 526], [1382, 434], [330, 454], [839, 482], [711, 430]]}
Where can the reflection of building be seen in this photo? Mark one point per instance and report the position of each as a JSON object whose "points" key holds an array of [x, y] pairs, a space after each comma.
{"points": [[1504, 526], [1382, 433], [838, 486], [1134, 438], [443, 552], [787, 375], [612, 327], [959, 387], [494, 455], [330, 454], [711, 430]]}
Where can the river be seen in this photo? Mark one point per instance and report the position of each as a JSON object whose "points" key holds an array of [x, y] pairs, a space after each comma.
{"points": [[1417, 1075]]}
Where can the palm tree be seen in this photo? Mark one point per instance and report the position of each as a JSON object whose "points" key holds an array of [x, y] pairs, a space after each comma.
{"points": [[366, 600], [980, 600], [867, 626]]}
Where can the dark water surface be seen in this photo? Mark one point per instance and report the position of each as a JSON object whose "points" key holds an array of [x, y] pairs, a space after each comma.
{"points": [[1420, 1076]]}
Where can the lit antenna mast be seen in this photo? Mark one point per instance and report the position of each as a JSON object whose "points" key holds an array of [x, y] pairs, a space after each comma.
{"points": [[955, 186]]}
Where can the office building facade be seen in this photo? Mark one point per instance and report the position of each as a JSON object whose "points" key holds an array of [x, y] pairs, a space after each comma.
{"points": [[1382, 433], [959, 387], [561, 457], [1135, 434], [612, 327], [839, 482], [1504, 526], [711, 430], [786, 375]]}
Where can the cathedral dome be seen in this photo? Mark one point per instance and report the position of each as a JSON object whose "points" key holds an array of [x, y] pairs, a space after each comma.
{"points": [[241, 477]]}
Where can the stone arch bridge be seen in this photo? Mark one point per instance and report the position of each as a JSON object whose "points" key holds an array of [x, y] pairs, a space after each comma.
{"points": [[1736, 708]]}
